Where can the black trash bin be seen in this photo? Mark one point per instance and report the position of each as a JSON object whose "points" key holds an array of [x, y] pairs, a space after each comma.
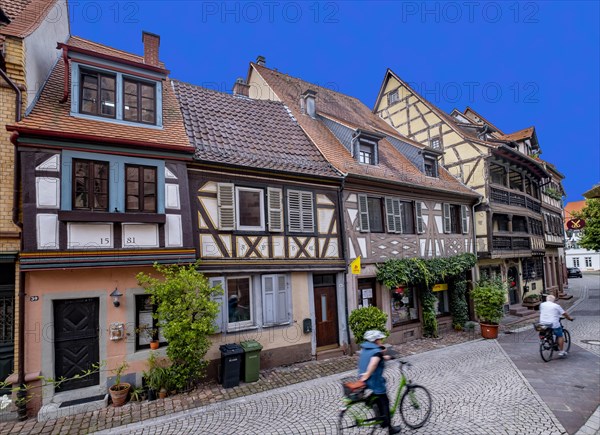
{"points": [[231, 360]]}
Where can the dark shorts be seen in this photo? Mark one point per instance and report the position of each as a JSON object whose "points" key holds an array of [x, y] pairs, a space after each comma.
{"points": [[558, 332]]}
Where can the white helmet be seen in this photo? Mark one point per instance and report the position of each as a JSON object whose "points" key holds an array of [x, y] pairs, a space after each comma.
{"points": [[373, 335]]}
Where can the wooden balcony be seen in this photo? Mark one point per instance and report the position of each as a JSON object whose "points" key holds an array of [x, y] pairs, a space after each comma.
{"points": [[508, 197]]}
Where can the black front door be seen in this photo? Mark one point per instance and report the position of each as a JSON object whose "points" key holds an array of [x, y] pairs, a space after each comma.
{"points": [[7, 328], [76, 341], [513, 285]]}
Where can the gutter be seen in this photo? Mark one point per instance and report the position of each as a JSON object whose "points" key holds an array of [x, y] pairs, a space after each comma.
{"points": [[342, 232]]}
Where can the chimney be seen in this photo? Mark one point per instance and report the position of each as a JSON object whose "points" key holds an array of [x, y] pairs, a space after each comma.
{"points": [[241, 88], [151, 43], [309, 100], [260, 60]]}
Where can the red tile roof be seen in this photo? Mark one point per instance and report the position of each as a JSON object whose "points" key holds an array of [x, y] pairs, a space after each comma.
{"points": [[518, 135], [51, 118], [393, 165], [241, 131], [25, 15]]}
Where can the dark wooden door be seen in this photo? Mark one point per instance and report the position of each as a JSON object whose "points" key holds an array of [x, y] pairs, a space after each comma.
{"points": [[513, 285], [326, 316], [76, 341], [7, 328]]}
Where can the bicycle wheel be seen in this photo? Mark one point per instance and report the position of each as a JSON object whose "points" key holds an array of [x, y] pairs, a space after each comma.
{"points": [[415, 406], [546, 349], [567, 337], [358, 418]]}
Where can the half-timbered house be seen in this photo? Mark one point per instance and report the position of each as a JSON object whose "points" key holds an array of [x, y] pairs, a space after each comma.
{"points": [[398, 201], [266, 225], [102, 158], [499, 166]]}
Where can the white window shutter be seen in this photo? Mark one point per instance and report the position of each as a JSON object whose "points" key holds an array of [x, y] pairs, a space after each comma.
{"points": [[398, 208], [220, 323], [275, 209], [269, 303], [308, 219], [419, 213], [389, 213], [465, 218], [447, 222], [226, 206], [294, 211], [363, 213], [282, 300]]}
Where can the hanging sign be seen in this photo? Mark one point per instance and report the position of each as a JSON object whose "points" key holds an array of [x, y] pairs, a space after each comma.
{"points": [[355, 266], [575, 224], [440, 287]]}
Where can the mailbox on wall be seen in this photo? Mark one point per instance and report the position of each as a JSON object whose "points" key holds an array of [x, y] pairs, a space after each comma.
{"points": [[307, 326]]}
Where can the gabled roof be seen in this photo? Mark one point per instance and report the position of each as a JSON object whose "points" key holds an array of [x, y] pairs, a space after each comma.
{"points": [[593, 193], [573, 206], [76, 43], [51, 118], [477, 118], [244, 132], [350, 112], [25, 15], [526, 133]]}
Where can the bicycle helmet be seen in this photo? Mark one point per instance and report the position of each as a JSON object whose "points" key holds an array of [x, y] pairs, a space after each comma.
{"points": [[373, 335]]}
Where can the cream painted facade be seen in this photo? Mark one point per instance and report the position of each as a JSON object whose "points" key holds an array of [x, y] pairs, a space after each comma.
{"points": [[468, 159]]}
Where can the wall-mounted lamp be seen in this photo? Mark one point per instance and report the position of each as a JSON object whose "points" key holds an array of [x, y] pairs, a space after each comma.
{"points": [[116, 295]]}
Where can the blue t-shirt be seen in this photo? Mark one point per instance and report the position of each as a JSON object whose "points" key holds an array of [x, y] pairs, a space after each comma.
{"points": [[376, 381]]}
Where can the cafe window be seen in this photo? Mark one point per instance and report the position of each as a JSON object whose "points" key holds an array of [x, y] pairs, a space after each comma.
{"points": [[441, 304], [404, 305]]}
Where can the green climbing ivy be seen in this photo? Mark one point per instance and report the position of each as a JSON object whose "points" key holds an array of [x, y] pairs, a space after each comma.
{"points": [[423, 273], [458, 304]]}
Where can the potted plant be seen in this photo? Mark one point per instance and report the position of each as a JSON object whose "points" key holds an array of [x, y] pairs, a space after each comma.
{"points": [[157, 378], [489, 296], [151, 334], [119, 390]]}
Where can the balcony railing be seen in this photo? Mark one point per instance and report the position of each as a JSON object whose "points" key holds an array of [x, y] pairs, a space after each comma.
{"points": [[514, 199], [503, 243]]}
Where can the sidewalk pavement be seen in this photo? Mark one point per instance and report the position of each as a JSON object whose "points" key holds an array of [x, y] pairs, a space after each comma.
{"points": [[211, 392]]}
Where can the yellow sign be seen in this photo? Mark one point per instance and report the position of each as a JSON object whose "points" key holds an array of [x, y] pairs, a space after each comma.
{"points": [[440, 287], [355, 266]]}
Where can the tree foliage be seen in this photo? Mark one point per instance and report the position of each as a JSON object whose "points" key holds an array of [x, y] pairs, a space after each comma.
{"points": [[186, 313], [590, 235]]}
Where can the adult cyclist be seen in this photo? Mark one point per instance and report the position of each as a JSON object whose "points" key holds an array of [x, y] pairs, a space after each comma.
{"points": [[370, 369], [550, 313]]}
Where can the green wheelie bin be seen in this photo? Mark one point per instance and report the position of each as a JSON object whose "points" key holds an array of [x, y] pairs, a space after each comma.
{"points": [[251, 369]]}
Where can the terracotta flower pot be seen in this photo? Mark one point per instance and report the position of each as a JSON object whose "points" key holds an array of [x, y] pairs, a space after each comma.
{"points": [[154, 345], [119, 393], [489, 331]]}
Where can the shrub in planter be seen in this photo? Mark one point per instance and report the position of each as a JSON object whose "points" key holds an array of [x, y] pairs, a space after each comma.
{"points": [[489, 296], [364, 319]]}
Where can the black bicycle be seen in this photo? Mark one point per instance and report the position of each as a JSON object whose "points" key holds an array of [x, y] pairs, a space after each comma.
{"points": [[548, 343]]}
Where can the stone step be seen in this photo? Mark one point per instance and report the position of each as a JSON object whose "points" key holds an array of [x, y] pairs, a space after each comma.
{"points": [[520, 312], [330, 353]]}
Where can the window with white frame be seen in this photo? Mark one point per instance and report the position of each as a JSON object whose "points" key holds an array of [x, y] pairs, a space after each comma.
{"points": [[300, 208], [588, 261], [435, 143], [575, 261], [430, 166], [366, 153], [251, 301], [250, 209]]}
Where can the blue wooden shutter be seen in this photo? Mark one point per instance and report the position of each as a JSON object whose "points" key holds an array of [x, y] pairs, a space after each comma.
{"points": [[282, 300], [275, 209], [398, 208], [308, 216], [269, 302], [220, 322]]}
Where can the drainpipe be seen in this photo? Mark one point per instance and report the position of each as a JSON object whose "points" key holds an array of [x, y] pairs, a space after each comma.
{"points": [[479, 202], [21, 394], [343, 241]]}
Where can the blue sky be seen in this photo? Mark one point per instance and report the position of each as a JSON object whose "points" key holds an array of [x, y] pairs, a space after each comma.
{"points": [[516, 63]]}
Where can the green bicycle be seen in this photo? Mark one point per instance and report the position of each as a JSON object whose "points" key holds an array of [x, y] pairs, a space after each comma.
{"points": [[359, 411]]}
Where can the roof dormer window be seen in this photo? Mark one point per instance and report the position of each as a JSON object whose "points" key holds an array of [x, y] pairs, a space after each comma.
{"points": [[98, 94], [115, 96], [430, 166], [139, 100], [366, 154]]}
